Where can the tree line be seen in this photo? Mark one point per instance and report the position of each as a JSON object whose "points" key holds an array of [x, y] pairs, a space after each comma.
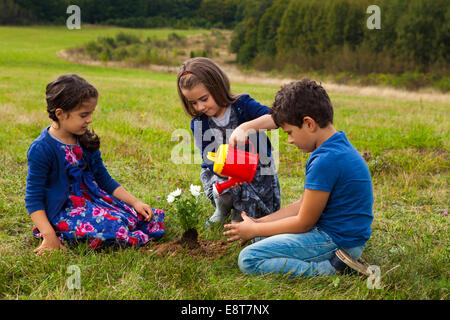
{"points": [[294, 36], [332, 35], [134, 14]]}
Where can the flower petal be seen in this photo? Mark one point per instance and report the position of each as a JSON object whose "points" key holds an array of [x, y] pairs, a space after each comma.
{"points": [[176, 193], [170, 198], [195, 190]]}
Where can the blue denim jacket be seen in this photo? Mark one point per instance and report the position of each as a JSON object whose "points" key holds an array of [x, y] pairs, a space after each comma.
{"points": [[247, 109], [47, 181]]}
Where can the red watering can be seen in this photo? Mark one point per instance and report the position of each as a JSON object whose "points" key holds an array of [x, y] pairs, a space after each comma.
{"points": [[237, 164]]}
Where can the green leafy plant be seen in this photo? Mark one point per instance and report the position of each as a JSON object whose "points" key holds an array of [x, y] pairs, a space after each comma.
{"points": [[185, 207]]}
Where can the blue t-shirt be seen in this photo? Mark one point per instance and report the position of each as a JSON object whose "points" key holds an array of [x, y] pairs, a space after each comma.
{"points": [[337, 167]]}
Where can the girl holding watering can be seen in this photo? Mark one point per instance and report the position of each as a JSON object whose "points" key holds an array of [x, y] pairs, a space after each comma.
{"points": [[204, 90]]}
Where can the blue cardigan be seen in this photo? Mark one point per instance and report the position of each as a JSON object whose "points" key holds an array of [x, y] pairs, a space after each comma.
{"points": [[47, 181], [247, 109]]}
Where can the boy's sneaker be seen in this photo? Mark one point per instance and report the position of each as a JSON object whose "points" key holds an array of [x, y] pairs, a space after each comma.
{"points": [[344, 264]]}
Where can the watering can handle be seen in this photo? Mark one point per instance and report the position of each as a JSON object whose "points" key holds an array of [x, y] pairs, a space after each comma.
{"points": [[253, 147], [211, 156]]}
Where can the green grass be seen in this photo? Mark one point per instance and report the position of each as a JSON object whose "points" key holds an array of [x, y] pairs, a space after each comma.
{"points": [[138, 111]]}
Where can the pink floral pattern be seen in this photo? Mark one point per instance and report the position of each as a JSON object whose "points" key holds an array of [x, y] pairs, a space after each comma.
{"points": [[77, 211], [70, 157], [98, 216], [84, 228], [99, 212]]}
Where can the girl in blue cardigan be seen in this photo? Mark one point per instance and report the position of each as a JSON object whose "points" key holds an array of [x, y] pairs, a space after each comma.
{"points": [[216, 113], [69, 194]]}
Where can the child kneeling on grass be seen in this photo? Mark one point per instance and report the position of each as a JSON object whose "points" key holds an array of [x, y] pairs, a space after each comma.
{"points": [[325, 231]]}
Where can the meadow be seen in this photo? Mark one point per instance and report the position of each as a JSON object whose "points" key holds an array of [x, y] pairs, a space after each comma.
{"points": [[406, 145]]}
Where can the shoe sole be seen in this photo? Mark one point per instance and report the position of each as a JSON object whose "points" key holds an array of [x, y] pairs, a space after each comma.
{"points": [[352, 263]]}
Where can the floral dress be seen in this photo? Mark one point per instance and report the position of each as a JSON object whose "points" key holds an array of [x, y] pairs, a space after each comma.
{"points": [[90, 214]]}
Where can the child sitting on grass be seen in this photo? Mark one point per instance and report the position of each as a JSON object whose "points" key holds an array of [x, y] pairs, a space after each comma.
{"points": [[325, 231], [70, 195]]}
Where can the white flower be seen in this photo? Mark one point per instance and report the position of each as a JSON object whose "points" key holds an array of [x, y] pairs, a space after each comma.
{"points": [[176, 193], [195, 190], [170, 198]]}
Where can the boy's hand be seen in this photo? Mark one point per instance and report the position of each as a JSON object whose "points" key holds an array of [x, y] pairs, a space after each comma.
{"points": [[50, 243], [244, 230], [144, 210]]}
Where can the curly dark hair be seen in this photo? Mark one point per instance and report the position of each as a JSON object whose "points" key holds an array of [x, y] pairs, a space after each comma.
{"points": [[299, 99]]}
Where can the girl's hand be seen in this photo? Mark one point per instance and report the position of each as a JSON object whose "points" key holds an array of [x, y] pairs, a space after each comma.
{"points": [[238, 137], [50, 243], [144, 210], [244, 230]]}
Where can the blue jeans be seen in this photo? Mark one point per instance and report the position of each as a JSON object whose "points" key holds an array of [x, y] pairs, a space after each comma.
{"points": [[300, 254]]}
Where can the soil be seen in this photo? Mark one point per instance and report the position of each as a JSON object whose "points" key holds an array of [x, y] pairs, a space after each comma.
{"points": [[195, 247], [190, 239]]}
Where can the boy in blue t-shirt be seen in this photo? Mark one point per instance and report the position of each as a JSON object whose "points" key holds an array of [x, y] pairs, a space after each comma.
{"points": [[326, 230]]}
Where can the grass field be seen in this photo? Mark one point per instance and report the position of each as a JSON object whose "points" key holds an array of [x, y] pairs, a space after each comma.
{"points": [[138, 110]]}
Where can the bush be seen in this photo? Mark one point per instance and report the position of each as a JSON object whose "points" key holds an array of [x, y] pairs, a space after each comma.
{"points": [[443, 84], [264, 62], [107, 42], [129, 47], [178, 52], [93, 49], [126, 38], [105, 55], [201, 53], [119, 54], [176, 39]]}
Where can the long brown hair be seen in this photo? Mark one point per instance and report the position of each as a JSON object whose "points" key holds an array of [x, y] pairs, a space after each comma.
{"points": [[203, 70], [68, 92]]}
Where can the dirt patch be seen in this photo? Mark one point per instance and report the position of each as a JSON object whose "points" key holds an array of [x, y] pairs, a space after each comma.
{"points": [[194, 247]]}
